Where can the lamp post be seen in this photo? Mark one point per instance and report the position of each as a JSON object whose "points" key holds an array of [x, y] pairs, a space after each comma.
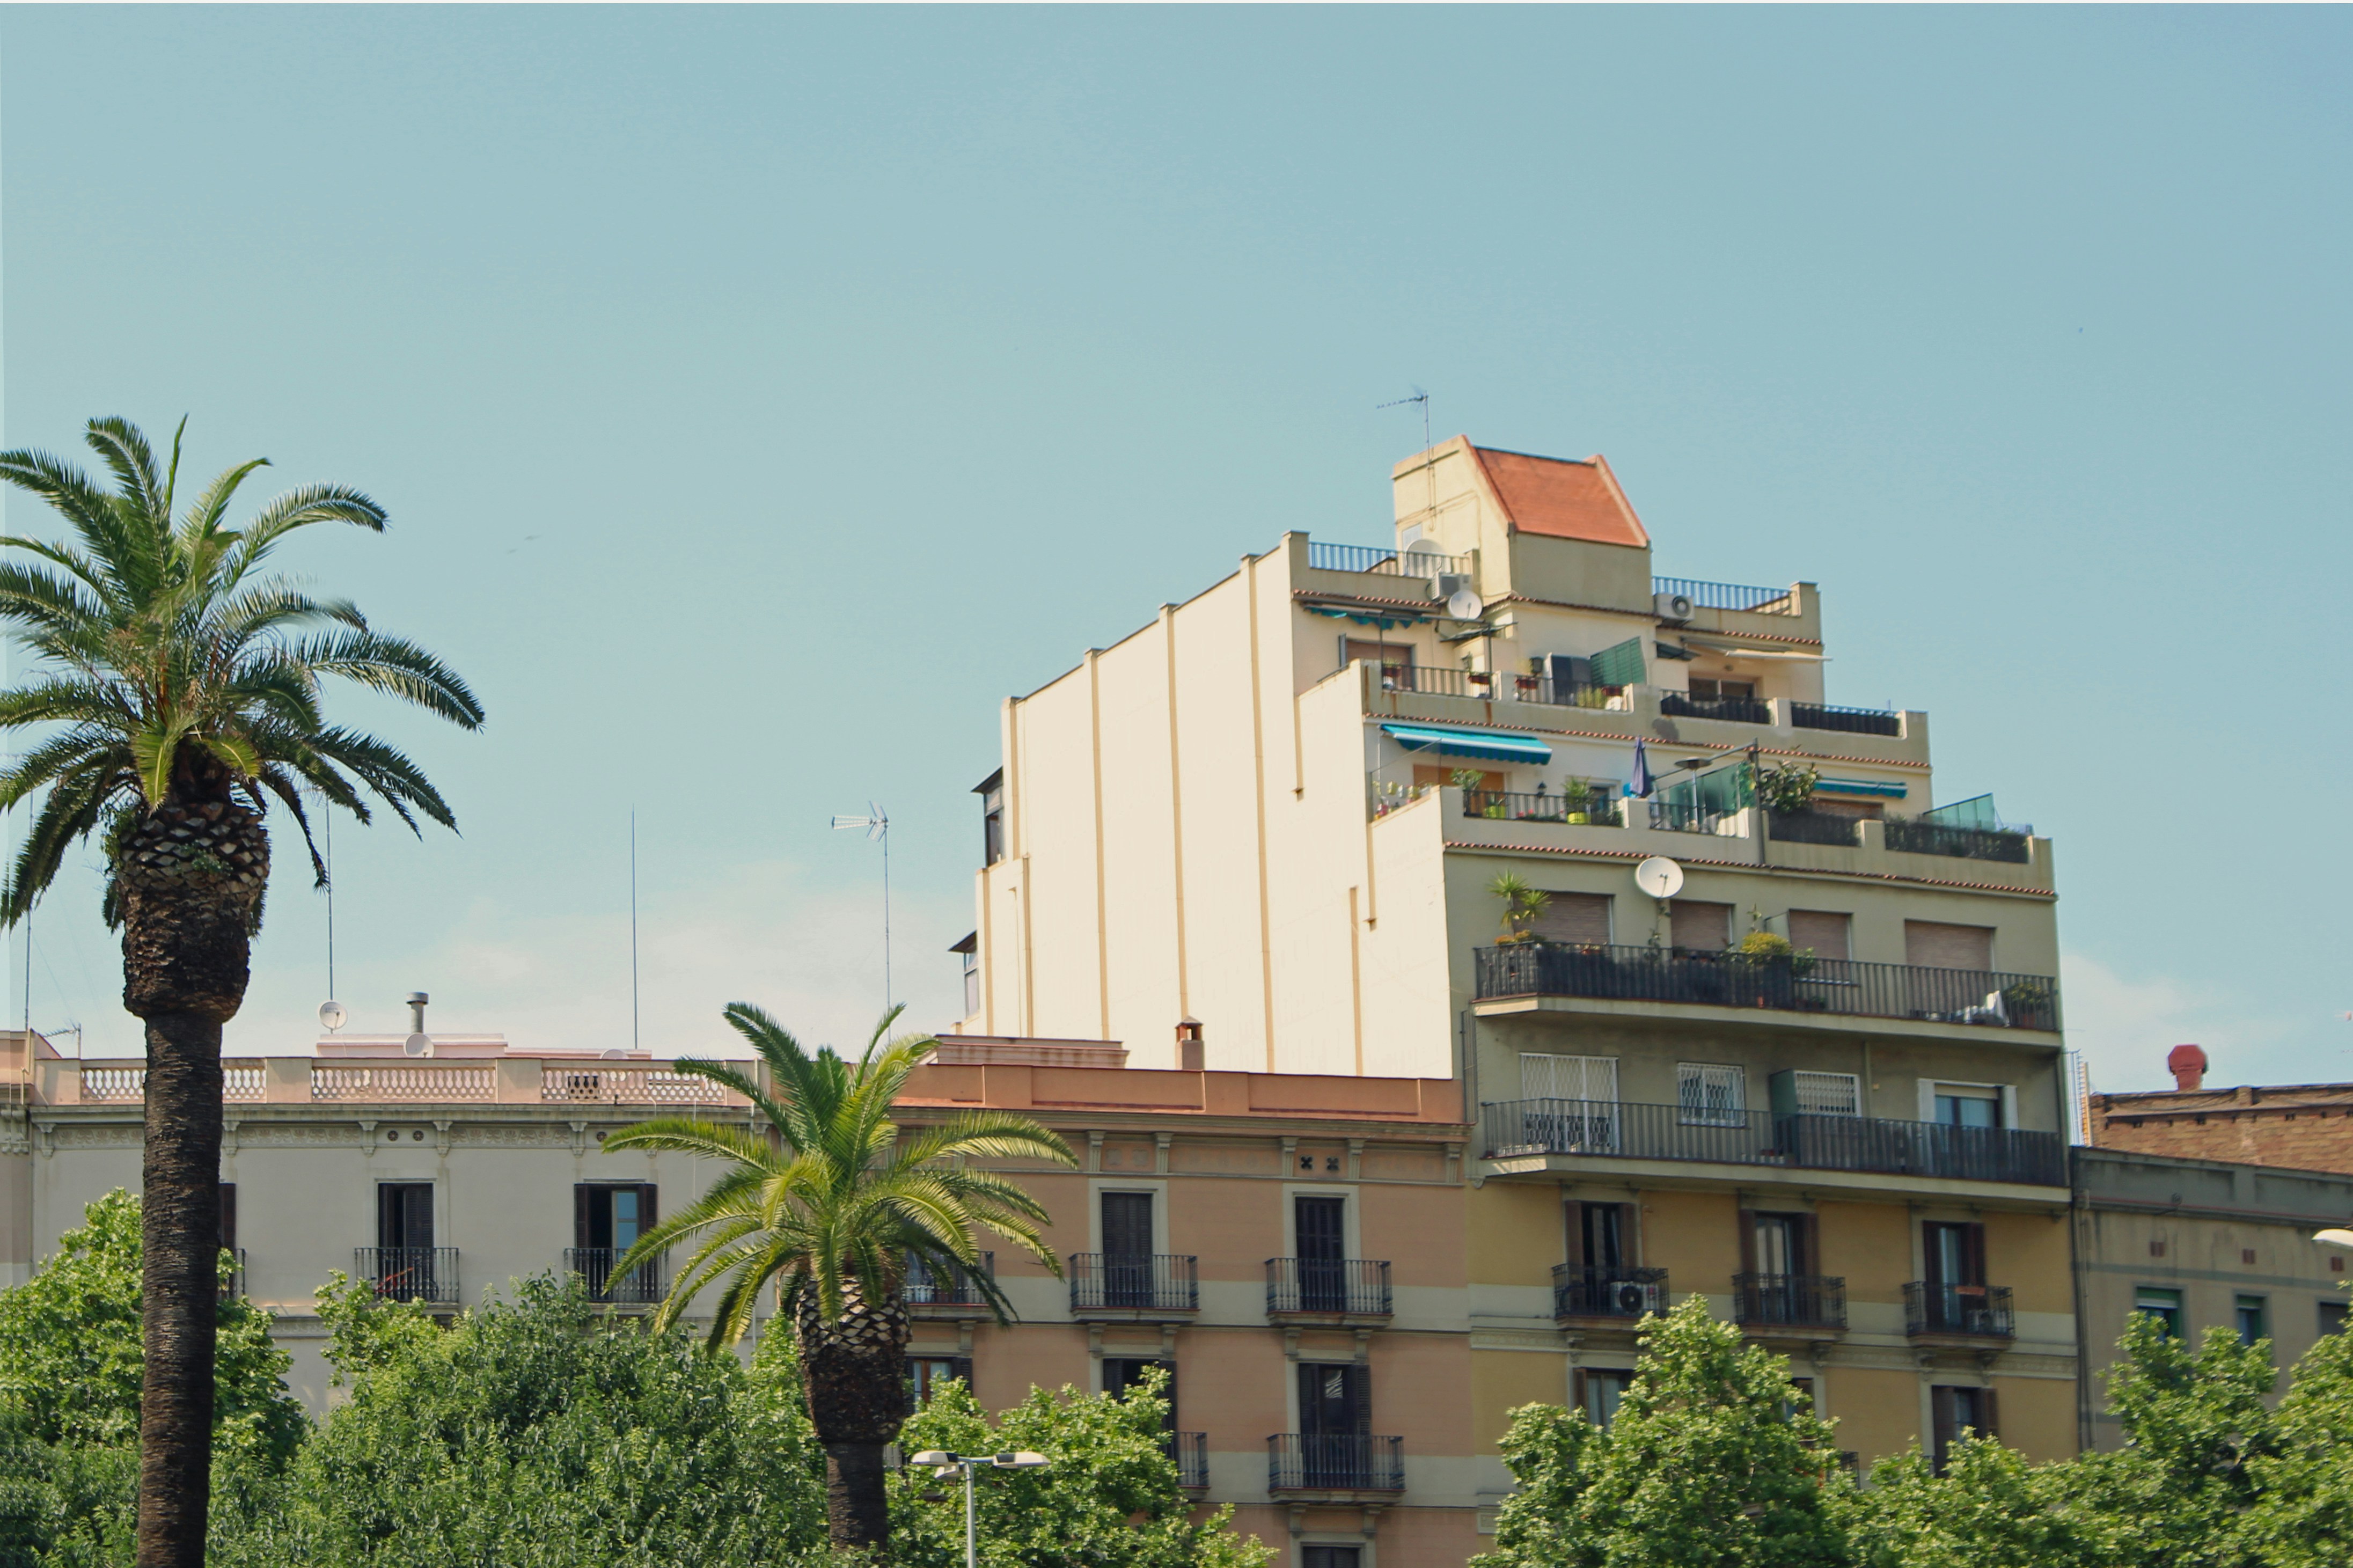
{"points": [[943, 1463]]}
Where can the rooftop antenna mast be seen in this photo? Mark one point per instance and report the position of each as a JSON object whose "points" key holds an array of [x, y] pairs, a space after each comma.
{"points": [[1418, 396], [877, 823], [633, 928]]}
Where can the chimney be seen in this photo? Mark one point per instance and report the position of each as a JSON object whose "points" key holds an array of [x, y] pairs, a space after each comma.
{"points": [[2188, 1065], [1191, 1055], [416, 1000]]}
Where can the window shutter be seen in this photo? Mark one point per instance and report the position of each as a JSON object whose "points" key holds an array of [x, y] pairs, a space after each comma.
{"points": [[1620, 665], [580, 1222], [1360, 1394], [1940, 1422], [1821, 932], [1986, 1409], [2009, 1105], [1973, 1255], [961, 1367], [228, 1216], [1747, 1241], [1932, 945], [1580, 919], [1928, 1100], [1702, 927], [645, 1215]]}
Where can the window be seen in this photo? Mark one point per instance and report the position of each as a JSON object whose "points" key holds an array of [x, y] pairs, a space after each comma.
{"points": [[2163, 1305], [404, 1215], [1319, 1234], [930, 1373], [228, 1216], [1709, 1095], [1314, 1556], [1705, 689], [1335, 1399], [1568, 1077], [1127, 1249], [1820, 933], [1777, 1244], [609, 1217], [991, 791], [1826, 1093], [1395, 660], [1956, 1411], [1121, 1373], [2252, 1319], [1800, 1400], [1604, 1390], [1581, 920], [1601, 1236], [2332, 1317], [1930, 944], [970, 948], [1965, 1104], [1700, 927]]}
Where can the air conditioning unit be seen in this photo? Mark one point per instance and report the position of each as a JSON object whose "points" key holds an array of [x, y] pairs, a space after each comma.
{"points": [[1672, 607], [1453, 583], [1634, 1299]]}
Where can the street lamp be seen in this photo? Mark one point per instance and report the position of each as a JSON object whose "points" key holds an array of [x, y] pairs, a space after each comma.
{"points": [[943, 1463]]}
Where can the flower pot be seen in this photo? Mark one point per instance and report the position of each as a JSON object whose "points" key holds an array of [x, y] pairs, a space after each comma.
{"points": [[1579, 817]]}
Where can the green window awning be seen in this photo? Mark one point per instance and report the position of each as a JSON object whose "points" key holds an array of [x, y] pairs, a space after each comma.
{"points": [[1862, 787], [1454, 743], [1620, 665]]}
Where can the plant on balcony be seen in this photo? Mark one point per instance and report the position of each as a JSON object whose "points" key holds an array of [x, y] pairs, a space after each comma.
{"points": [[174, 690], [828, 1198], [1578, 799], [1522, 905], [2027, 995], [1789, 789], [1771, 949]]}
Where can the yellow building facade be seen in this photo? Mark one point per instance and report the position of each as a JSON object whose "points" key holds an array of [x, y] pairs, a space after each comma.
{"points": [[1806, 1065]]}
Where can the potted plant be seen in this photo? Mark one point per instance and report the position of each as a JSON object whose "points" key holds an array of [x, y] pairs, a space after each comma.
{"points": [[1577, 800], [1785, 791], [1522, 904]]}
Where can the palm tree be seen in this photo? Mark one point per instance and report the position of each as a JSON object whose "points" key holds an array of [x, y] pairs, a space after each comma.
{"points": [[175, 692], [830, 1199]]}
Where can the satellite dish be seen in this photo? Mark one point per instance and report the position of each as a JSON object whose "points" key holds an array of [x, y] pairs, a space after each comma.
{"points": [[1659, 877], [1465, 605], [417, 1046], [332, 1016], [616, 1055]]}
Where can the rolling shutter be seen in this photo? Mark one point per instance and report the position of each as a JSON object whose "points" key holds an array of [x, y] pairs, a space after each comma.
{"points": [[1579, 919], [1619, 666], [1821, 932], [1931, 945], [1702, 927]]}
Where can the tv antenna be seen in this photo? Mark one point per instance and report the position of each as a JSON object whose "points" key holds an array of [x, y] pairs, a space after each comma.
{"points": [[877, 823], [1418, 396]]}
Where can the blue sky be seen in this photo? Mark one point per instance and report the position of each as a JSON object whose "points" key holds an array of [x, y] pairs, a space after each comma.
{"points": [[762, 395]]}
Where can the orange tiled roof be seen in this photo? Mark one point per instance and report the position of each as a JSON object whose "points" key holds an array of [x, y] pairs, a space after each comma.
{"points": [[1558, 496]]}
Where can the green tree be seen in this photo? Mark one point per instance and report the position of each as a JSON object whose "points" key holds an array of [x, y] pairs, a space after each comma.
{"points": [[174, 690], [1713, 1460], [2303, 1480], [1989, 1508], [1108, 1498], [830, 1200]]}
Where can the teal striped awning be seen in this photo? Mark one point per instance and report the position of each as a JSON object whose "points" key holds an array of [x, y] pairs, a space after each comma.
{"points": [[1454, 743], [1895, 791]]}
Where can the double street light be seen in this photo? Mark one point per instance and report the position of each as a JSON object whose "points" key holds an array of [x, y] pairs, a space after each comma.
{"points": [[944, 1464]]}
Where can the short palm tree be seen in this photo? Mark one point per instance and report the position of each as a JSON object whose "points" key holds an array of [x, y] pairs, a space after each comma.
{"points": [[830, 1200], [175, 692]]}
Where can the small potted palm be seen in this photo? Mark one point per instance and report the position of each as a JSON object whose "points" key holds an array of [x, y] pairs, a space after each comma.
{"points": [[1577, 799], [1522, 905]]}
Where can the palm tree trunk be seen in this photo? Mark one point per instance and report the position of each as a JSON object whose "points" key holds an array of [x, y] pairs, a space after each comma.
{"points": [[856, 1371], [180, 1287], [188, 885]]}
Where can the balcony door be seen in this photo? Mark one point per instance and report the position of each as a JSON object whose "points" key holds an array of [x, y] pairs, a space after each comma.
{"points": [[1322, 1252], [1335, 1413], [607, 1217], [1956, 1274], [1780, 1256], [1127, 1249], [404, 1216], [1121, 1373]]}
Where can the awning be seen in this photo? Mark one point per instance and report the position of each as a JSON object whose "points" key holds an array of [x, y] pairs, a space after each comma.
{"points": [[1487, 744], [1862, 787], [1386, 619]]}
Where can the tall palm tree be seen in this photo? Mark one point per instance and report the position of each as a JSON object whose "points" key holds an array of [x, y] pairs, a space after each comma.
{"points": [[830, 1200], [175, 692]]}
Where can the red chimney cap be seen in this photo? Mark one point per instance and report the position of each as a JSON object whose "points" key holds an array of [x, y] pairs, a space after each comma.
{"points": [[2188, 1065]]}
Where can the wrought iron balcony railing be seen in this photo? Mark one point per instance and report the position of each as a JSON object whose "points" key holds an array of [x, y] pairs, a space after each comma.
{"points": [[1134, 1282], [1813, 827], [1332, 1462], [1327, 1287], [1917, 837], [641, 1287], [1975, 1311], [1191, 1452], [1728, 595], [1788, 1301], [1734, 709], [1798, 983], [1324, 557], [955, 1287], [1851, 720], [428, 1274], [1628, 1293]]}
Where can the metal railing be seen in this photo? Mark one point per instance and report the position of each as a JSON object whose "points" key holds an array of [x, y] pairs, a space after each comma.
{"points": [[1851, 720], [1373, 558], [1731, 709], [1190, 1451], [1492, 685], [1513, 1129], [1979, 1312], [1918, 837], [405, 1082], [1356, 1287], [1342, 1461], [925, 1285], [1935, 1149], [1582, 1292], [1727, 596], [1790, 1301], [1796, 984], [644, 1286], [1513, 805], [565, 1085], [1115, 1281], [1813, 827], [409, 1273]]}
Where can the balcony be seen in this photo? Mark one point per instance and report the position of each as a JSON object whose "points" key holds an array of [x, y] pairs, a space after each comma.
{"points": [[1970, 1313], [1190, 1451], [956, 1293], [1336, 1465], [641, 1287], [1806, 1305], [1916, 838], [1813, 827], [1388, 563], [1134, 1287], [1620, 1295], [1498, 686], [1790, 985], [1714, 1135], [1731, 709], [427, 1274], [1334, 1289], [1598, 807], [1728, 595], [1848, 721]]}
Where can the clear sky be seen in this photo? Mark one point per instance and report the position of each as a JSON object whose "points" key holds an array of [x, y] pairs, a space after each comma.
{"points": [[762, 395]]}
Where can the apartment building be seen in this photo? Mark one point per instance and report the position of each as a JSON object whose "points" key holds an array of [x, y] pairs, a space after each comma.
{"points": [[2197, 1244], [2308, 1126], [1265, 828], [436, 1172]]}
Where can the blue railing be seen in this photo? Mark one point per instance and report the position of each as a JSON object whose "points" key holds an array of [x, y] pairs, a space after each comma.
{"points": [[1373, 558], [1725, 595]]}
